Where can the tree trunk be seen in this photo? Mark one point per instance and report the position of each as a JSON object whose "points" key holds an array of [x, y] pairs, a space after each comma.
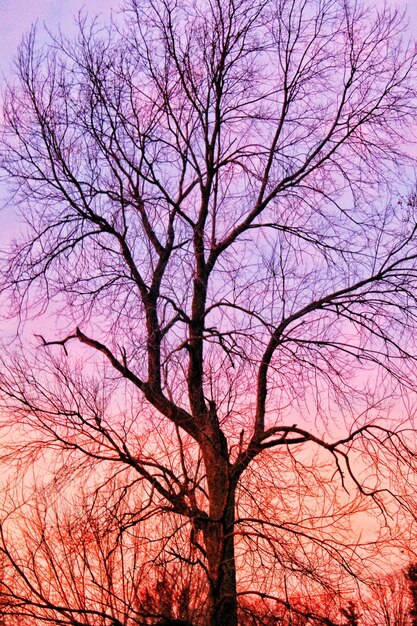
{"points": [[219, 543]]}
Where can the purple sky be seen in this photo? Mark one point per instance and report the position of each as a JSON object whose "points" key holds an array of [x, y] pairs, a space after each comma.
{"points": [[17, 16]]}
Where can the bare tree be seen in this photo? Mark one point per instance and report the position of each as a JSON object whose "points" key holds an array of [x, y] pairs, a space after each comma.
{"points": [[208, 191]]}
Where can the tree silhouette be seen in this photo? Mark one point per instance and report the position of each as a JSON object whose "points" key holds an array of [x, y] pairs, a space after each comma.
{"points": [[207, 191], [352, 618], [412, 577]]}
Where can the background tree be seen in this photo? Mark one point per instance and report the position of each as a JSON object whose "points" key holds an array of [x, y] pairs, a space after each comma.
{"points": [[389, 601], [70, 563], [350, 614], [222, 286], [412, 578]]}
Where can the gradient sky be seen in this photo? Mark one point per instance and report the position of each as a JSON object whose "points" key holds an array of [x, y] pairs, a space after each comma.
{"points": [[17, 16]]}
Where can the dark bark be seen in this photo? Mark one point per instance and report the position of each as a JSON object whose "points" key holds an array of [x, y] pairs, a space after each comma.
{"points": [[219, 543]]}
